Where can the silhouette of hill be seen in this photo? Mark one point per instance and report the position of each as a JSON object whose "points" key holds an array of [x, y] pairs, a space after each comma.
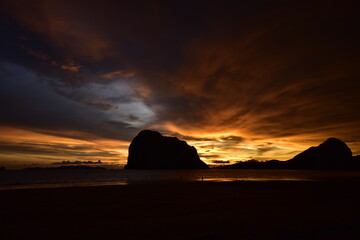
{"points": [[355, 162], [254, 164], [331, 154], [77, 162], [151, 150]]}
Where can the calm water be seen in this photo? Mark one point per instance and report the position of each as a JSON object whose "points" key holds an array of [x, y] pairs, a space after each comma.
{"points": [[64, 178]]}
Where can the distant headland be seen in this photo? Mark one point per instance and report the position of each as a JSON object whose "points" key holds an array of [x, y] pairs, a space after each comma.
{"points": [[151, 150], [332, 154]]}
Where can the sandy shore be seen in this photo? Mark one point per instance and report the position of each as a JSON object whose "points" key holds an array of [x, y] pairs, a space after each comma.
{"points": [[197, 210]]}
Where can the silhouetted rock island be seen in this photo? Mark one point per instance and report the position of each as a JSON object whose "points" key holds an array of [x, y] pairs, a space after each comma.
{"points": [[151, 150], [331, 154]]}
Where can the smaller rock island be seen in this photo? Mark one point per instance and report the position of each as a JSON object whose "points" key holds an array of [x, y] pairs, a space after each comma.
{"points": [[331, 154], [151, 150]]}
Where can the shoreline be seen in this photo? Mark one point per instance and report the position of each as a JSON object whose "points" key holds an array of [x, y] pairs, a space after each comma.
{"points": [[61, 178], [9, 187], [113, 184]]}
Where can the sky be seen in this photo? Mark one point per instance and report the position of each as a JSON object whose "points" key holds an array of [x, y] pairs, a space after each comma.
{"points": [[238, 80]]}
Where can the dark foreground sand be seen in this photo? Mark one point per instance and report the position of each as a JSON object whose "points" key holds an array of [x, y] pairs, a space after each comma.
{"points": [[198, 210]]}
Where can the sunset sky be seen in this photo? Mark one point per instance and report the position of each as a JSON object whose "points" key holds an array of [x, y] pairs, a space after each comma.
{"points": [[238, 80]]}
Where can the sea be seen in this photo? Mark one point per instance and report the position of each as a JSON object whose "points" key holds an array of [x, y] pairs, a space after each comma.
{"points": [[52, 178]]}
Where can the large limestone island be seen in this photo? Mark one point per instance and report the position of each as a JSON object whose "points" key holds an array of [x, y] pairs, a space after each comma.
{"points": [[331, 154], [151, 150]]}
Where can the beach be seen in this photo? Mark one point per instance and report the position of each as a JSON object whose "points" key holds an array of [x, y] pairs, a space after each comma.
{"points": [[185, 210]]}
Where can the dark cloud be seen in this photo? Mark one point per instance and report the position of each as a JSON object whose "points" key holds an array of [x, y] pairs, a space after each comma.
{"points": [[220, 161], [263, 150], [29, 103], [206, 155]]}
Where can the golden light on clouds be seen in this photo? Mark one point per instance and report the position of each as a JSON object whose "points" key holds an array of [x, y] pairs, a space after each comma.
{"points": [[119, 73], [21, 148]]}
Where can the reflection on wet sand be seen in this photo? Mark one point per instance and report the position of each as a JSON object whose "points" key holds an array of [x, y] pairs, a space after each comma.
{"points": [[252, 179]]}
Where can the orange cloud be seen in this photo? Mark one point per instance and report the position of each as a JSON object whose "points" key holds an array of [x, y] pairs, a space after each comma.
{"points": [[119, 73], [38, 55], [72, 67], [21, 148]]}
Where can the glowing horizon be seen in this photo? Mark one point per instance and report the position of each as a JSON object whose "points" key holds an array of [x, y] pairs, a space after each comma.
{"points": [[28, 148]]}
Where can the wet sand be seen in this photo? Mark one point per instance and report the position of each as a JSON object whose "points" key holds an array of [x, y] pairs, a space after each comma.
{"points": [[193, 210]]}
